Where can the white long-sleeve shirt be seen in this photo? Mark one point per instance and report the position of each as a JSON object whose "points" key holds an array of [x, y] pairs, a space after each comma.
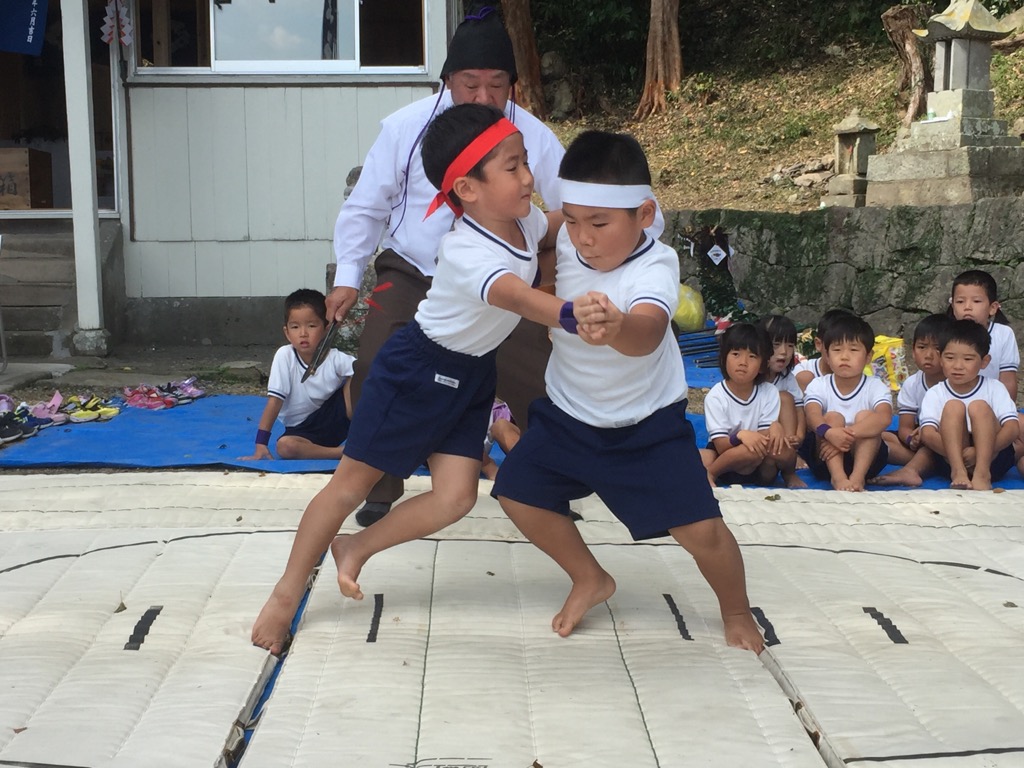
{"points": [[376, 206]]}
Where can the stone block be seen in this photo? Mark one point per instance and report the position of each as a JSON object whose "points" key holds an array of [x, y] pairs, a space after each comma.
{"points": [[847, 184], [959, 56], [843, 201], [969, 103]]}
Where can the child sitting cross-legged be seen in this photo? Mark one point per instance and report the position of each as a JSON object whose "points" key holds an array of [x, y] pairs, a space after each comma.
{"points": [[782, 373], [969, 421], [430, 389], [904, 444], [847, 410], [614, 419], [748, 444]]}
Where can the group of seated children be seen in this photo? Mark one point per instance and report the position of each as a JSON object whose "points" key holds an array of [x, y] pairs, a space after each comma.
{"points": [[957, 414]]}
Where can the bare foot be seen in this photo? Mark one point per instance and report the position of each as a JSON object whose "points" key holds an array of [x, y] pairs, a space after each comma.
{"points": [[904, 476], [271, 628], [348, 566], [960, 480], [793, 480], [582, 597], [858, 482], [742, 632], [981, 481], [842, 483]]}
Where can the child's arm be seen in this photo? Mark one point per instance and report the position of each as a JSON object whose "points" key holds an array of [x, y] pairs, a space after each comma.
{"points": [[1009, 380], [1008, 432], [270, 411], [803, 378], [347, 387], [908, 432], [636, 333], [511, 293], [874, 424]]}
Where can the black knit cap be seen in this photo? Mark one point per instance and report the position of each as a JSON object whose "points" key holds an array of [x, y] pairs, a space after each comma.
{"points": [[481, 42]]}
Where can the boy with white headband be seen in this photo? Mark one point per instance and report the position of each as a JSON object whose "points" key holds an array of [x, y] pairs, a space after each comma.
{"points": [[614, 422], [430, 389]]}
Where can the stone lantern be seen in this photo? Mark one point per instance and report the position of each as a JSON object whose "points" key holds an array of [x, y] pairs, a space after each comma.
{"points": [[855, 142], [960, 153]]}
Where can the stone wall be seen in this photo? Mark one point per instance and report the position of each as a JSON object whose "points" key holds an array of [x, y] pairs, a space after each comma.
{"points": [[891, 266]]}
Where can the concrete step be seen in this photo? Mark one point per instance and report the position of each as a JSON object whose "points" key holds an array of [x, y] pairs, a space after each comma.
{"points": [[36, 295], [35, 343], [32, 318], [37, 269], [35, 245]]}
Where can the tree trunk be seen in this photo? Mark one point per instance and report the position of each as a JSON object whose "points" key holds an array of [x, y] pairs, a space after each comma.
{"points": [[524, 45], [664, 64], [915, 71]]}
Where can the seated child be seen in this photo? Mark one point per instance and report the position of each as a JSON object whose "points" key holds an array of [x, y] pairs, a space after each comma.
{"points": [[315, 412], [810, 369], [974, 298], [748, 445], [904, 445], [847, 410], [969, 421], [614, 421], [782, 332], [431, 387]]}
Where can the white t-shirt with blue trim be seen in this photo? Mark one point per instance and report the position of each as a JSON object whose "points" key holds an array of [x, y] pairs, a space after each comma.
{"points": [[866, 396], [990, 390], [725, 412], [302, 398], [595, 384], [455, 313]]}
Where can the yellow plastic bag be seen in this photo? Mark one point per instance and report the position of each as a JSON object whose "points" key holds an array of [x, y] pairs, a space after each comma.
{"points": [[690, 316], [888, 361]]}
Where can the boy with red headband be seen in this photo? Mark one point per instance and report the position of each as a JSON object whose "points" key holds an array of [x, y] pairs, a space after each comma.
{"points": [[614, 421], [430, 389]]}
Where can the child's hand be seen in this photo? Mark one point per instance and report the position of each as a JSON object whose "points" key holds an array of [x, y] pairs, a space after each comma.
{"points": [[914, 441], [841, 437], [828, 451], [600, 321], [777, 440], [262, 452], [793, 441], [754, 442]]}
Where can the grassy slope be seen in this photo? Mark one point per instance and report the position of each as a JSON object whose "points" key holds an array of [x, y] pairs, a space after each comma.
{"points": [[724, 133]]}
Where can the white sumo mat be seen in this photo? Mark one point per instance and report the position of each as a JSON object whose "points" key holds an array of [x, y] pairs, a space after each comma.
{"points": [[895, 623]]}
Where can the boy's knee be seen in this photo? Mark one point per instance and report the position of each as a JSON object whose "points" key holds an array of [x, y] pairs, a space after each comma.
{"points": [[979, 409], [700, 536], [287, 448], [954, 409]]}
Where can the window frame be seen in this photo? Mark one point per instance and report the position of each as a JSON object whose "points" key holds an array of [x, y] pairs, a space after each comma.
{"points": [[347, 68]]}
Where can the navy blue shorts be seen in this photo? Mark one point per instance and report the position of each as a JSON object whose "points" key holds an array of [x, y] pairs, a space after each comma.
{"points": [[1002, 463], [420, 399], [649, 474], [820, 469], [327, 425]]}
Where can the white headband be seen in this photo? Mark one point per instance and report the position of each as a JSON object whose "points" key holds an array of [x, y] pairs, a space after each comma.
{"points": [[605, 195]]}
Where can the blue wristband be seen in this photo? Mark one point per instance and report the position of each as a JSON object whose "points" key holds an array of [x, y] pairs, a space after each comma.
{"points": [[821, 430], [567, 319], [734, 438], [262, 437]]}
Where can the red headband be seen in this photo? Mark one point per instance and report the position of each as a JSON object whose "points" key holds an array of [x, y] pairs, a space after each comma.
{"points": [[469, 157]]}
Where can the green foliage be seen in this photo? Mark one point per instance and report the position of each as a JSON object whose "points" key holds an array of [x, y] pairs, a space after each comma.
{"points": [[1000, 8], [601, 41]]}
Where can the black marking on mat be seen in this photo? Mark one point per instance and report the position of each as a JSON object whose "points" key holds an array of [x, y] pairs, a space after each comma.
{"points": [[886, 624], [138, 636], [933, 755], [24, 764], [680, 622], [770, 638], [378, 609], [74, 555]]}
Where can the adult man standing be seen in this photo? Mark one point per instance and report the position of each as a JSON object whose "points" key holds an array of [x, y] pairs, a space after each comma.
{"points": [[390, 200]]}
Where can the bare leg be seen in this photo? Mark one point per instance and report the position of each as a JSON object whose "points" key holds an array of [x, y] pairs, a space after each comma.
{"points": [[953, 430], [789, 420], [453, 492], [910, 475], [324, 514], [295, 447], [983, 437], [557, 536], [898, 452], [737, 459], [864, 452], [718, 557]]}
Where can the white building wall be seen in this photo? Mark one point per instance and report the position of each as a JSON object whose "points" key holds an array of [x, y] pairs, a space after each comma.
{"points": [[234, 190]]}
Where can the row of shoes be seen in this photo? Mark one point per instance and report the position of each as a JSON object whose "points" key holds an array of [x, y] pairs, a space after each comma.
{"points": [[167, 395], [18, 421]]}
